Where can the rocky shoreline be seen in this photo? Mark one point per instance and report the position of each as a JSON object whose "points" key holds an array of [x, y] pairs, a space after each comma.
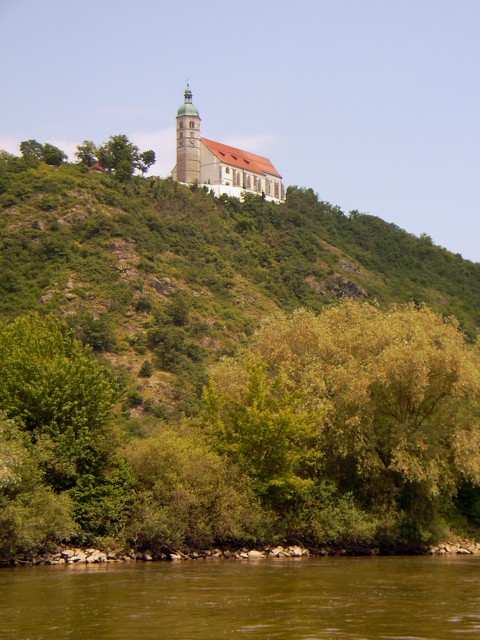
{"points": [[76, 555]]}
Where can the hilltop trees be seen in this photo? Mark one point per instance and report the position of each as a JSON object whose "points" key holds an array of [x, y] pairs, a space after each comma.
{"points": [[118, 154], [33, 152]]}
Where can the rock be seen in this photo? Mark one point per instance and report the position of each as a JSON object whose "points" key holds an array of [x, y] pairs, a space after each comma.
{"points": [[227, 554], [80, 556], [336, 286], [147, 557], [277, 552], [96, 556], [463, 551], [174, 557], [243, 555], [297, 552], [111, 555], [255, 554], [68, 553], [164, 286]]}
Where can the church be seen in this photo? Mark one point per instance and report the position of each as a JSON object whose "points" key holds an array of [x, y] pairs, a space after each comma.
{"points": [[224, 169]]}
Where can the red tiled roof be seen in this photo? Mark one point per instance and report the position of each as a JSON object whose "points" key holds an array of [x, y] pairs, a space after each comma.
{"points": [[241, 159]]}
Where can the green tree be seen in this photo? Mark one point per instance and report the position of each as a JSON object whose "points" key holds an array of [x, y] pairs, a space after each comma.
{"points": [[119, 154], [86, 153], [401, 390], [147, 159], [32, 516], [53, 155], [31, 150], [265, 426], [186, 494], [61, 395]]}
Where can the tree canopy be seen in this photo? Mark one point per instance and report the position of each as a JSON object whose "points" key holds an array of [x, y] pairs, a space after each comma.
{"points": [[118, 154], [33, 152], [59, 393], [391, 400]]}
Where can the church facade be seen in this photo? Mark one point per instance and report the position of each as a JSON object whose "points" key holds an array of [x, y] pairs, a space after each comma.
{"points": [[222, 168]]}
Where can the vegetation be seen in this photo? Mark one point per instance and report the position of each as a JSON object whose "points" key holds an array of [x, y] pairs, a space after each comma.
{"points": [[180, 370], [382, 404]]}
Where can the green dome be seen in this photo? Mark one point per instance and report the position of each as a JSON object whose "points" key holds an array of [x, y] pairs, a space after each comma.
{"points": [[187, 109]]}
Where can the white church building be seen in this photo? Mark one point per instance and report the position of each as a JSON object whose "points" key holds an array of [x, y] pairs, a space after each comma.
{"points": [[223, 169]]}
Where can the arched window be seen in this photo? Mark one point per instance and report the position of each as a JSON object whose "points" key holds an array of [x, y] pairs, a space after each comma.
{"points": [[192, 124]]}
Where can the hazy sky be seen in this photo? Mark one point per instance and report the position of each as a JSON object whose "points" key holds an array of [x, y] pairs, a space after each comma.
{"points": [[375, 104]]}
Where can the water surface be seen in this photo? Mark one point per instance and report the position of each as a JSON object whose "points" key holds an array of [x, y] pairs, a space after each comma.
{"points": [[305, 599]]}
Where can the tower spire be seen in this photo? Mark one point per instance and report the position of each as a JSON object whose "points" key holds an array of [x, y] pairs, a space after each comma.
{"points": [[188, 140]]}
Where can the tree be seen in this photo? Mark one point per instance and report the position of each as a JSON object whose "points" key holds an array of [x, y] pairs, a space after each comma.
{"points": [[62, 396], [86, 153], [397, 393], [119, 154], [53, 155], [186, 494], [32, 150], [147, 159], [31, 514]]}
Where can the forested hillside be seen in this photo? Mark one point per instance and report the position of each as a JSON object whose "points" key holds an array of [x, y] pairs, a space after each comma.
{"points": [[162, 281]]}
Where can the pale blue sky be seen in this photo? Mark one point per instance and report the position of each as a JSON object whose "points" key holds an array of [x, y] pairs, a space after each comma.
{"points": [[375, 104]]}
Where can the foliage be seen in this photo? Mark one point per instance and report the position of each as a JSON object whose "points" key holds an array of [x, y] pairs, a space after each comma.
{"points": [[149, 271], [393, 398], [270, 428], [186, 494], [32, 516], [118, 154], [33, 152], [86, 153], [60, 394], [102, 505]]}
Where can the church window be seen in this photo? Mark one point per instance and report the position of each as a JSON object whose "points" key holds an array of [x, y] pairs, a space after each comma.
{"points": [[181, 124], [276, 189], [227, 170], [192, 124], [181, 134]]}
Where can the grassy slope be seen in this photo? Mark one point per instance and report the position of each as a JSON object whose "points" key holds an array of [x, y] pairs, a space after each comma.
{"points": [[178, 278]]}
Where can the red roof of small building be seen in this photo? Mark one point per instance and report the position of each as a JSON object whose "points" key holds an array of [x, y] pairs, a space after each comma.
{"points": [[241, 159]]}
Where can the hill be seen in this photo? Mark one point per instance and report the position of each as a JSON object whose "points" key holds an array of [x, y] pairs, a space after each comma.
{"points": [[338, 424], [163, 279]]}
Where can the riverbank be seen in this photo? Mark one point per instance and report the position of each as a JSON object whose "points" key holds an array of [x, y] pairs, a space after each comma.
{"points": [[77, 555]]}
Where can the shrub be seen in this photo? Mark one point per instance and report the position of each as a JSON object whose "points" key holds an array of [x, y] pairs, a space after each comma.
{"points": [[186, 494]]}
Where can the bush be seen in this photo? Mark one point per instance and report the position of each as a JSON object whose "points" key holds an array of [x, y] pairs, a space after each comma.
{"points": [[146, 370], [186, 495]]}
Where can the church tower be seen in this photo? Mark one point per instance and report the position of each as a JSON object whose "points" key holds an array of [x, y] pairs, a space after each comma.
{"points": [[188, 141]]}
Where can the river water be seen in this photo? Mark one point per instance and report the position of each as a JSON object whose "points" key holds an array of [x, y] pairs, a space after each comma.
{"points": [[304, 599]]}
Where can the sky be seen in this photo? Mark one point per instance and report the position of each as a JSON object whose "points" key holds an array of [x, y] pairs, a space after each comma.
{"points": [[374, 104]]}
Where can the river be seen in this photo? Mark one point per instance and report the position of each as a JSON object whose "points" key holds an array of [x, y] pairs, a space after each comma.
{"points": [[305, 599]]}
